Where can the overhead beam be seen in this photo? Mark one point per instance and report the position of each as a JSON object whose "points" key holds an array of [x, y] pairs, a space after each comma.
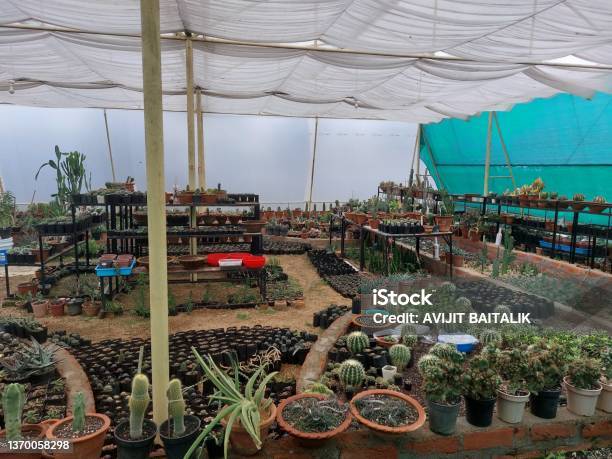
{"points": [[156, 204], [504, 149]]}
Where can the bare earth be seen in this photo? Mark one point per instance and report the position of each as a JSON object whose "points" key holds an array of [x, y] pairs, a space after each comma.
{"points": [[317, 294]]}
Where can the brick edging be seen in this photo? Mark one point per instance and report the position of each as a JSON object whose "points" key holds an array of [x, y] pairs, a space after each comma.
{"points": [[75, 379]]}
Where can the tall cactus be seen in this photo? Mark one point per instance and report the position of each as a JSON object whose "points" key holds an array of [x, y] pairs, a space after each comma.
{"points": [[357, 341], [176, 407], [400, 356], [138, 404], [13, 400], [78, 413], [352, 374]]}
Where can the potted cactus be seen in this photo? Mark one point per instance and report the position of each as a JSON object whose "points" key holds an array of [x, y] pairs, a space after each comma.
{"points": [[13, 400], [352, 375], [442, 386], [480, 383], [598, 204], [400, 356], [578, 203], [604, 402], [179, 431], [85, 432], [547, 365], [356, 342], [512, 395], [134, 437], [583, 386]]}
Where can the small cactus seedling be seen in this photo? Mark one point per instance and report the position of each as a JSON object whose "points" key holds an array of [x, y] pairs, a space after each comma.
{"points": [[319, 388], [400, 356], [138, 404], [78, 413], [13, 400], [356, 342], [176, 407], [352, 374]]}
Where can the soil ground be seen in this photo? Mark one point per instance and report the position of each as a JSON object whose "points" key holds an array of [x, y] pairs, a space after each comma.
{"points": [[317, 295]]}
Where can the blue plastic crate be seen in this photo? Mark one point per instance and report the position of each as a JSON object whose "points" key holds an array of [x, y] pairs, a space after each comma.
{"points": [[111, 272], [564, 248]]}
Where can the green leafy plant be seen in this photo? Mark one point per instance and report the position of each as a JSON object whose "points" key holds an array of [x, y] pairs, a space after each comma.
{"points": [[7, 209], [244, 406]]}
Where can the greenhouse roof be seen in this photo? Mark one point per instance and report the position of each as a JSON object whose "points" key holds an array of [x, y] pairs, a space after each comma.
{"points": [[408, 60]]}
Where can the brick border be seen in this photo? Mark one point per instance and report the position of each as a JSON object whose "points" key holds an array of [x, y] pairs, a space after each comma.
{"points": [[75, 378]]}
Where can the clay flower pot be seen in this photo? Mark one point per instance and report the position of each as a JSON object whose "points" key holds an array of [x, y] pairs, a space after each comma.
{"points": [[91, 308], [308, 438], [241, 441], [581, 401], [89, 445], [444, 222], [56, 307], [388, 429], [604, 402], [192, 261], [253, 226], [40, 308], [29, 432], [27, 287]]}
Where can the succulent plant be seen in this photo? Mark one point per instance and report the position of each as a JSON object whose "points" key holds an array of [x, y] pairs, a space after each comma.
{"points": [[599, 200], [427, 361], [513, 367], [400, 356], [443, 350], [319, 388], [176, 407], [584, 373], [502, 309], [606, 362], [537, 185], [442, 378], [547, 366], [481, 378], [410, 340], [357, 341], [352, 374], [408, 329], [78, 413], [490, 337], [579, 197], [13, 400], [138, 404]]}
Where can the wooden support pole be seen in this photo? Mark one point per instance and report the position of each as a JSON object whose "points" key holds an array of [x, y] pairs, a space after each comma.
{"points": [[417, 155], [200, 130], [505, 150], [488, 155], [156, 199], [190, 126], [108, 142], [312, 165]]}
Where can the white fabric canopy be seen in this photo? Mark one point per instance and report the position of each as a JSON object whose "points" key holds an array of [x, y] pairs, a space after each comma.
{"points": [[503, 49]]}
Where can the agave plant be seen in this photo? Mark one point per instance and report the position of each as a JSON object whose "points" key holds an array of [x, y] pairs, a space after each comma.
{"points": [[29, 360], [244, 406]]}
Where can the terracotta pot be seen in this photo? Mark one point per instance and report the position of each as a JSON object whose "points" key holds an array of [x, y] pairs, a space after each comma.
{"points": [[308, 438], [361, 218], [444, 222], [475, 235], [40, 308], [374, 222], [388, 429], [208, 198], [91, 308], [578, 205], [240, 439], [87, 446], [27, 287], [234, 219], [596, 208], [192, 261], [56, 307], [253, 226], [457, 259], [37, 431]]}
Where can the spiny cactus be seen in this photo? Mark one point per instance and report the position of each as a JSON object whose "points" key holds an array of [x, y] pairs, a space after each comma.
{"points": [[352, 374], [138, 404], [78, 413], [410, 340], [443, 350], [428, 361], [463, 304], [13, 400], [447, 287], [319, 388], [502, 309], [176, 407], [400, 356], [408, 329], [357, 341], [490, 337]]}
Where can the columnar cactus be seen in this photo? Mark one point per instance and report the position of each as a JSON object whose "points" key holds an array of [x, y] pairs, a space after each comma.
{"points": [[78, 413], [352, 373], [357, 342], [428, 361], [400, 356], [490, 337], [410, 340], [138, 404], [176, 407], [443, 350], [13, 400]]}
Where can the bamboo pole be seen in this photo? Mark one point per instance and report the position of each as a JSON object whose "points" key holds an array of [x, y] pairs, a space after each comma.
{"points": [[200, 130], [110, 151], [505, 150], [417, 154], [154, 143], [488, 155], [312, 165], [190, 126]]}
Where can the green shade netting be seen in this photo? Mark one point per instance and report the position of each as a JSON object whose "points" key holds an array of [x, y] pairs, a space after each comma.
{"points": [[565, 140]]}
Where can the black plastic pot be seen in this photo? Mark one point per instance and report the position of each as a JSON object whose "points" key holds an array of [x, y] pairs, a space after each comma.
{"points": [[134, 449], [545, 403], [177, 447], [478, 412]]}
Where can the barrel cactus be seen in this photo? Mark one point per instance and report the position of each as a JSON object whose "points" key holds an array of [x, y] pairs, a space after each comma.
{"points": [[463, 304], [357, 342], [13, 400], [443, 350], [502, 309], [490, 337], [400, 356], [410, 340], [78, 413], [428, 361], [176, 407], [138, 404], [319, 388], [408, 329], [352, 373]]}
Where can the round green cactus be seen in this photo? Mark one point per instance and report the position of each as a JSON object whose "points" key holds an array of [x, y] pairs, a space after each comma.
{"points": [[138, 404], [502, 309], [319, 388], [13, 400], [490, 337], [357, 341], [176, 407], [408, 329], [463, 304], [352, 374], [400, 356], [443, 350], [428, 361], [410, 340]]}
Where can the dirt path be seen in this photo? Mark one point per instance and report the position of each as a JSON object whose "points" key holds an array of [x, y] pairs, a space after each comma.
{"points": [[317, 295]]}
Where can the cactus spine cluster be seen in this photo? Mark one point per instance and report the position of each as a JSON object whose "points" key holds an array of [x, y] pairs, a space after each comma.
{"points": [[357, 342], [138, 404], [78, 413], [176, 407], [400, 356], [490, 337], [428, 361], [352, 374], [13, 400], [443, 350]]}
